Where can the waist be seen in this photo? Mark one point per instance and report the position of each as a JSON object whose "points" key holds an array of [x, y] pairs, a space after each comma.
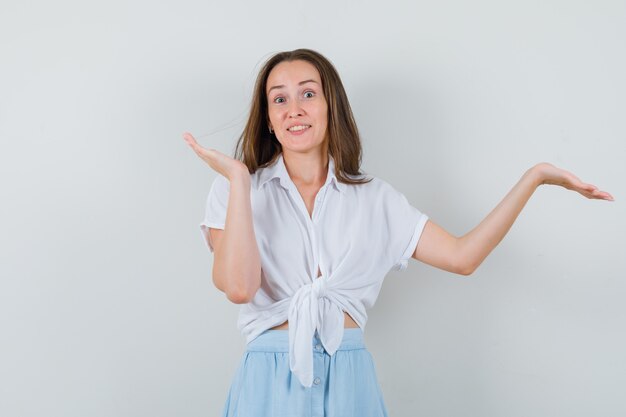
{"points": [[278, 341], [347, 323]]}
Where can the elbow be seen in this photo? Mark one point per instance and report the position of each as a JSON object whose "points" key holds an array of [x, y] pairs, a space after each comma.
{"points": [[236, 293], [240, 294], [466, 268], [466, 271], [238, 297], [465, 261]]}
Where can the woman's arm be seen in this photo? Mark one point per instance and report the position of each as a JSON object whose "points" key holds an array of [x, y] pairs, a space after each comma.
{"points": [[237, 262], [462, 255]]}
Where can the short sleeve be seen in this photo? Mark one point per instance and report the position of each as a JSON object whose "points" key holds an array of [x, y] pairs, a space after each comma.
{"points": [[216, 206], [405, 224]]}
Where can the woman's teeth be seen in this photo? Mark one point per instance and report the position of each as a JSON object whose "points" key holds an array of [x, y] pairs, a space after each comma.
{"points": [[298, 128]]}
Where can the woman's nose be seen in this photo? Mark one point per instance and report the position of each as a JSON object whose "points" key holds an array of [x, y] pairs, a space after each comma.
{"points": [[295, 109]]}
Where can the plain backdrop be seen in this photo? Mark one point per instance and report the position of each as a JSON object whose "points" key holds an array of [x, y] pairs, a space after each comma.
{"points": [[107, 307]]}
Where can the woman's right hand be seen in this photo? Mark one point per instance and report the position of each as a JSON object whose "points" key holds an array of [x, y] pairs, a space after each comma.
{"points": [[221, 163]]}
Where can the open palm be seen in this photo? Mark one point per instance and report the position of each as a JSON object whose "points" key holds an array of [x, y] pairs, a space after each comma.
{"points": [[220, 162], [557, 176]]}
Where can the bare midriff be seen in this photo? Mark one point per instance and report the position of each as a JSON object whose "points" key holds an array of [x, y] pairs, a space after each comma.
{"points": [[348, 323]]}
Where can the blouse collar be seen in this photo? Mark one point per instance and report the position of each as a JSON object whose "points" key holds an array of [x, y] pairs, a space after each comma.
{"points": [[279, 170]]}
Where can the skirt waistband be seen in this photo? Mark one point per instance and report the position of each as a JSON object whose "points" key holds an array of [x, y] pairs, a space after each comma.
{"points": [[278, 341]]}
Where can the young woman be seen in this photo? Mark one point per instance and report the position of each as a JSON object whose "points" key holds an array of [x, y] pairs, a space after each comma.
{"points": [[302, 239]]}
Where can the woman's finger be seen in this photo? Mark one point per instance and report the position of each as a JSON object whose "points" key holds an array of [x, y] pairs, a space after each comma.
{"points": [[591, 191], [603, 195], [191, 141], [598, 195], [188, 137]]}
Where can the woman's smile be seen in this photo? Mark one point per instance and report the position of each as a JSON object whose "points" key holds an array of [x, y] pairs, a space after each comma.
{"points": [[298, 129]]}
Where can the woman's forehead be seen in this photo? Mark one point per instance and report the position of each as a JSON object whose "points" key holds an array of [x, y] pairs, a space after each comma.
{"points": [[292, 72]]}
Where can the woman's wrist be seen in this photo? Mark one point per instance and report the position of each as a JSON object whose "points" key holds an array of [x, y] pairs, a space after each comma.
{"points": [[536, 174], [241, 175]]}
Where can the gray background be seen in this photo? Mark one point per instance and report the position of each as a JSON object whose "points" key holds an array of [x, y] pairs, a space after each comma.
{"points": [[106, 302]]}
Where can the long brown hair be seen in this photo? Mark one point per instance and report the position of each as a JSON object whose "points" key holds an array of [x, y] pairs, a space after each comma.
{"points": [[257, 147]]}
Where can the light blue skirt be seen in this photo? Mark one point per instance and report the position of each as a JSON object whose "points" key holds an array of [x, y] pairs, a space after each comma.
{"points": [[345, 384]]}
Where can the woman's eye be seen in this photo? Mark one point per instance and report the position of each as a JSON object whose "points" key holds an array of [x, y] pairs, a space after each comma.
{"points": [[279, 100], [309, 94]]}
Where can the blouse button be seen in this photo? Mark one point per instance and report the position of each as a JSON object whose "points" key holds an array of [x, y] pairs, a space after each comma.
{"points": [[316, 381], [318, 347]]}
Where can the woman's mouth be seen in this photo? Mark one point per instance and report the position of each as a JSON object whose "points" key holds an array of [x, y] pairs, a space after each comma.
{"points": [[298, 128]]}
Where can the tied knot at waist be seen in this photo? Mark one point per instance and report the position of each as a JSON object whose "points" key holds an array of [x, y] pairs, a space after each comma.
{"points": [[315, 306], [318, 287], [312, 294]]}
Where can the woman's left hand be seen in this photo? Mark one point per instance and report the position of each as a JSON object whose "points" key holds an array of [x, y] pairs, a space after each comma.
{"points": [[549, 174]]}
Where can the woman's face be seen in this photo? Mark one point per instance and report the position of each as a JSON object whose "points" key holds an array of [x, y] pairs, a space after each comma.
{"points": [[297, 108]]}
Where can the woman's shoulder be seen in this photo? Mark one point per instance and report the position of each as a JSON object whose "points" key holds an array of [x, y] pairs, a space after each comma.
{"points": [[373, 185]]}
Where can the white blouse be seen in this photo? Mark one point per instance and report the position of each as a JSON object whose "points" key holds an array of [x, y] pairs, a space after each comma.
{"points": [[356, 235]]}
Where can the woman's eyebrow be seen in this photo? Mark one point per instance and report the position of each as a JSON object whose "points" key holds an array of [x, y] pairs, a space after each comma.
{"points": [[300, 83]]}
